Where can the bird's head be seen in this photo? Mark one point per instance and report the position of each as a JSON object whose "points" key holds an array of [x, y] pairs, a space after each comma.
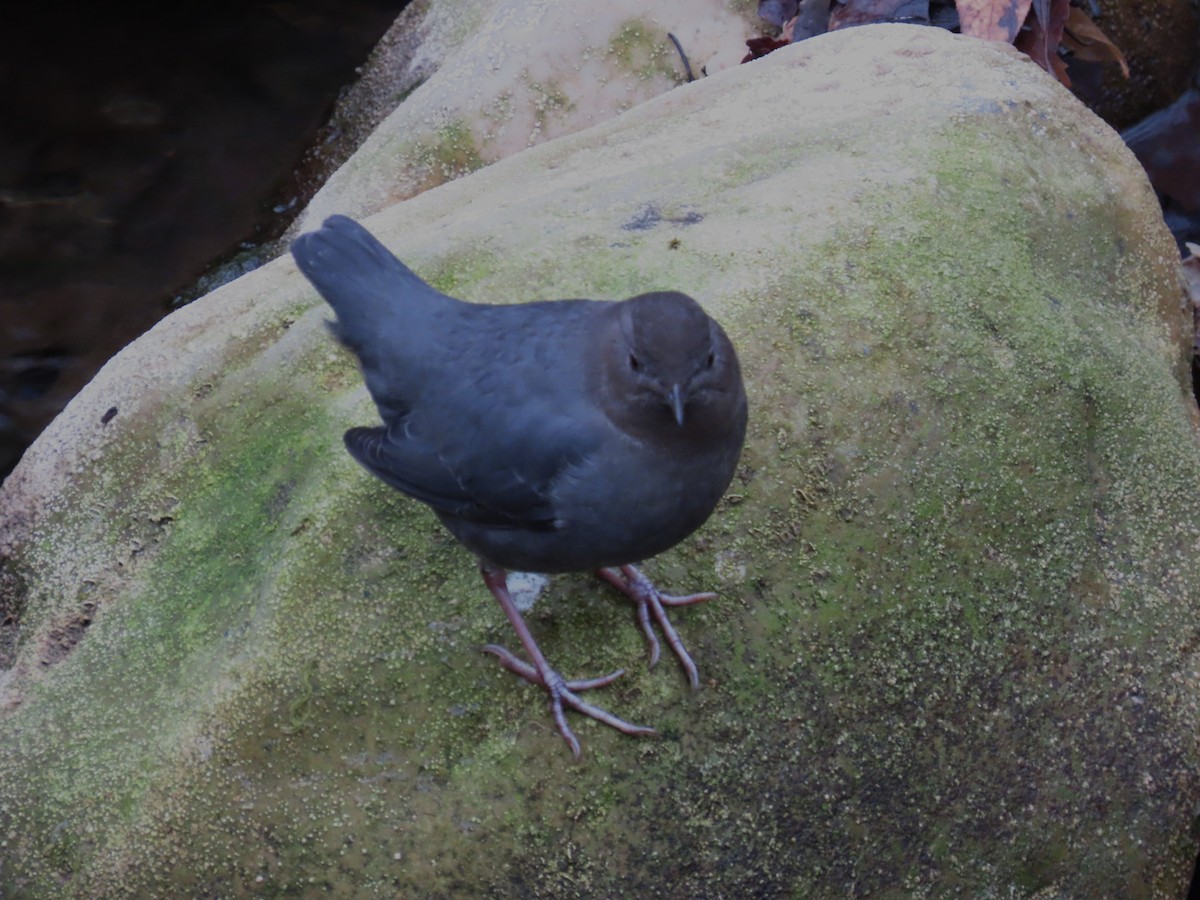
{"points": [[667, 366]]}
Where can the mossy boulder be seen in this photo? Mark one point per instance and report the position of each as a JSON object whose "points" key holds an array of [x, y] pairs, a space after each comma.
{"points": [[955, 649]]}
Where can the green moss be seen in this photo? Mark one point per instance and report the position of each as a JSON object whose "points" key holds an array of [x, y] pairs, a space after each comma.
{"points": [[459, 272], [550, 101], [642, 48], [502, 108], [452, 153], [954, 572]]}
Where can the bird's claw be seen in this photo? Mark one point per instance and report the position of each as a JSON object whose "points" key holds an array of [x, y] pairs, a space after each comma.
{"points": [[638, 588], [563, 693]]}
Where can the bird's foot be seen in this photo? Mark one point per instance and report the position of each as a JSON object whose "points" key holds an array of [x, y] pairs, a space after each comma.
{"points": [[563, 693], [650, 601]]}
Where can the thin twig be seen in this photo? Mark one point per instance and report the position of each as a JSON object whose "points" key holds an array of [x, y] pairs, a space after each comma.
{"points": [[682, 55]]}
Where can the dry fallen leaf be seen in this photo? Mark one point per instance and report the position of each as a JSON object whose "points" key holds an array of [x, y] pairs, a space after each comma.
{"points": [[1041, 35], [992, 20], [1084, 38], [760, 46]]}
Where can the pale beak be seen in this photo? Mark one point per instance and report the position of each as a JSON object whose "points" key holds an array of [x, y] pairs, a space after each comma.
{"points": [[677, 403]]}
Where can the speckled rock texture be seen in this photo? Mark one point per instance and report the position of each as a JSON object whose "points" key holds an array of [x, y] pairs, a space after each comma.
{"points": [[955, 650], [497, 76]]}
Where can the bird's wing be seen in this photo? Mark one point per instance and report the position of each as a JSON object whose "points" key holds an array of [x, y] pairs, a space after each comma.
{"points": [[408, 465], [474, 477]]}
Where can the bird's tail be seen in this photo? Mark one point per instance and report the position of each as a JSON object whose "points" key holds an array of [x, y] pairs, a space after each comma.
{"points": [[372, 292]]}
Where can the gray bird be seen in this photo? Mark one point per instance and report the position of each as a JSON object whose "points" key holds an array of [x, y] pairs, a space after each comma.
{"points": [[552, 436]]}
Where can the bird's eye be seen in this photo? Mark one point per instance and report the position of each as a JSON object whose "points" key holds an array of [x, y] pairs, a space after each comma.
{"points": [[708, 363], [635, 363]]}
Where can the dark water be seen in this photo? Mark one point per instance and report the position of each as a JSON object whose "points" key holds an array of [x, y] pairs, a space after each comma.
{"points": [[137, 146]]}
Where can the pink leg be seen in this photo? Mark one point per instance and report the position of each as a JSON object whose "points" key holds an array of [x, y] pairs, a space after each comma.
{"points": [[561, 691], [638, 588]]}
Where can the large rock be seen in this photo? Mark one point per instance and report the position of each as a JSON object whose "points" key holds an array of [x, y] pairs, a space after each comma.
{"points": [[956, 645], [496, 76]]}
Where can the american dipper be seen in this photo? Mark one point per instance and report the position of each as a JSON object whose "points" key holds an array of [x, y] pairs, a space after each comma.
{"points": [[550, 436]]}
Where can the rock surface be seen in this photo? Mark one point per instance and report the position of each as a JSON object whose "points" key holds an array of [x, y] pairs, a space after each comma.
{"points": [[956, 643], [510, 74]]}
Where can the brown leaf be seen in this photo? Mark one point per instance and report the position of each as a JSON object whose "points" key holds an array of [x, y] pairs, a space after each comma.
{"points": [[761, 46], [1084, 38], [1040, 37], [1052, 14], [992, 20]]}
